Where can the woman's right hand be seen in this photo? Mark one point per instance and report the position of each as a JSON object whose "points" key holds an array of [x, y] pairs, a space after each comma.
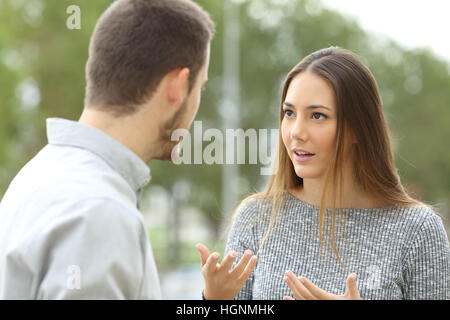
{"points": [[221, 283]]}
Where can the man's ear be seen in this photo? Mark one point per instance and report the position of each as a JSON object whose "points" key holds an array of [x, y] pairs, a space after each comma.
{"points": [[177, 86]]}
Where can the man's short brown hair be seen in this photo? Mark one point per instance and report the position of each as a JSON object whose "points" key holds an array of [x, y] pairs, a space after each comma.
{"points": [[136, 43]]}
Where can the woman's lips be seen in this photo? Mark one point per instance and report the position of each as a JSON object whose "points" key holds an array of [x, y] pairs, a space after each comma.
{"points": [[300, 158]]}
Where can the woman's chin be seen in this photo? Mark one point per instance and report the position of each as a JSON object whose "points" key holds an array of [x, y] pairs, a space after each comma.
{"points": [[305, 174]]}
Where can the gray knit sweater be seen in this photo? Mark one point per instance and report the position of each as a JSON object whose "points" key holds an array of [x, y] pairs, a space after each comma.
{"points": [[396, 252]]}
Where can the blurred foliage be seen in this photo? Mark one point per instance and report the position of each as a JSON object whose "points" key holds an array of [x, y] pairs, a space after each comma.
{"points": [[41, 59]]}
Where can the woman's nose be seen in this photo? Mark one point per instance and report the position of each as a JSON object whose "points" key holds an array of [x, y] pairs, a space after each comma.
{"points": [[298, 131]]}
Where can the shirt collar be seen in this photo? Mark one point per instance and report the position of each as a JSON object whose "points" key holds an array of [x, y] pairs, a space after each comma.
{"points": [[71, 133]]}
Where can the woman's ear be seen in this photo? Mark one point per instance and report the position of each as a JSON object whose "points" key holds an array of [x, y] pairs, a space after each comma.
{"points": [[177, 86]]}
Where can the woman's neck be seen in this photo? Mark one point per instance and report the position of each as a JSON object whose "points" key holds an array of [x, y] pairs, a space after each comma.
{"points": [[355, 198]]}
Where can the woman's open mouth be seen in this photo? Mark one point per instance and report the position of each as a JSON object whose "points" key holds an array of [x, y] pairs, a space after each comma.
{"points": [[302, 156]]}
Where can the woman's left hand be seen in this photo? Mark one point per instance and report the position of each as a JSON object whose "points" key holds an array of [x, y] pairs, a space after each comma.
{"points": [[303, 289]]}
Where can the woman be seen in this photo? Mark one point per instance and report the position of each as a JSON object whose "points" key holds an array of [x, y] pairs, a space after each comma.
{"points": [[335, 221]]}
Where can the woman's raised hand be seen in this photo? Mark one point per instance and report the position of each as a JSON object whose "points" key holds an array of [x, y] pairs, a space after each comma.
{"points": [[304, 289], [222, 282]]}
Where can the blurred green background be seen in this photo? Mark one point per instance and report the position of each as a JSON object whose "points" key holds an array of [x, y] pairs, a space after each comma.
{"points": [[42, 75]]}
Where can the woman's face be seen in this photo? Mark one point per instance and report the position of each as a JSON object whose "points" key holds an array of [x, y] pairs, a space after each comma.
{"points": [[309, 123]]}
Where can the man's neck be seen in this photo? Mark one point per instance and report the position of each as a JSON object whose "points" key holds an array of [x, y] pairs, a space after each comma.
{"points": [[126, 129]]}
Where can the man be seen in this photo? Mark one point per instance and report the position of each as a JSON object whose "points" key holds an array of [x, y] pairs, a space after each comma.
{"points": [[70, 227]]}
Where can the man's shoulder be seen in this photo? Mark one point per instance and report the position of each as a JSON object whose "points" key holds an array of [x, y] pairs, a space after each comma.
{"points": [[60, 206], [58, 176], [31, 229], [52, 190], [91, 216]]}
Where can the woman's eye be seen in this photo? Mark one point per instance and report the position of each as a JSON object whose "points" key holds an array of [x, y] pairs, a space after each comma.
{"points": [[288, 113], [315, 114]]}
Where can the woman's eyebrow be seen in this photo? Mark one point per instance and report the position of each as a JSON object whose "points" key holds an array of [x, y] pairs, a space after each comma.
{"points": [[313, 106]]}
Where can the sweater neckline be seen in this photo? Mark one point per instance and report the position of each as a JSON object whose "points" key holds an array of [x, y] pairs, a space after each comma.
{"points": [[313, 207]]}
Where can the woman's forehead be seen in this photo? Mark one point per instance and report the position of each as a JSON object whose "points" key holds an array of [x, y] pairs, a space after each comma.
{"points": [[308, 89]]}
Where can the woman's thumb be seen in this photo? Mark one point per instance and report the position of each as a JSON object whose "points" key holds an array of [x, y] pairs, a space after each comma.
{"points": [[352, 287]]}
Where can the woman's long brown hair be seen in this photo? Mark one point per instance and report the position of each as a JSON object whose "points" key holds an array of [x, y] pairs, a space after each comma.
{"points": [[359, 109]]}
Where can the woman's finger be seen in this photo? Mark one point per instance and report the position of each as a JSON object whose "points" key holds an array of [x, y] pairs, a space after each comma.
{"points": [[211, 263], [352, 287], [297, 287], [247, 271], [293, 288], [227, 262], [316, 291], [204, 253], [239, 268]]}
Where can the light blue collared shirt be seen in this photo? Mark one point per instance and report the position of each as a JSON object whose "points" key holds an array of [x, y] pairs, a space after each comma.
{"points": [[70, 227]]}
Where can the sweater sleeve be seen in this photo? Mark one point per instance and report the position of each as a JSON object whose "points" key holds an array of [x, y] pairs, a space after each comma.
{"points": [[242, 237], [427, 263]]}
